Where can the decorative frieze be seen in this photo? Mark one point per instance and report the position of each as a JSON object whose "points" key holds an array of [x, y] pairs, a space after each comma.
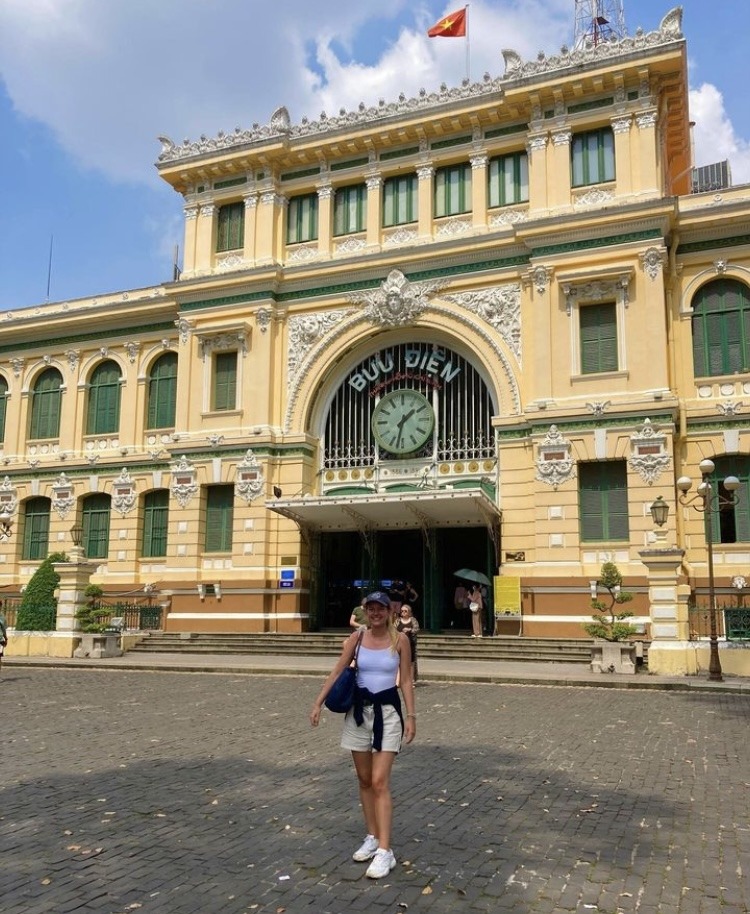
{"points": [[596, 290], [597, 196], [249, 479], [509, 217], [398, 302], [123, 493], [223, 341], [649, 457], [500, 307], [305, 331], [554, 463], [184, 482], [63, 500]]}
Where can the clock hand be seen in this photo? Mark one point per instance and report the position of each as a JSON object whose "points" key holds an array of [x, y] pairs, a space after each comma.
{"points": [[402, 421]]}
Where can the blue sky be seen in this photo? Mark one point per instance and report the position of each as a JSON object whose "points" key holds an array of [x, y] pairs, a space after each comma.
{"points": [[86, 86]]}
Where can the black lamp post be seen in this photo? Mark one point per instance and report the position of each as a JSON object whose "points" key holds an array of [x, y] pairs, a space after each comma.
{"points": [[708, 504]]}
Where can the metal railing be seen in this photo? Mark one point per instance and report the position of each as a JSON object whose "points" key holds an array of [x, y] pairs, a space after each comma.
{"points": [[732, 622], [135, 617]]}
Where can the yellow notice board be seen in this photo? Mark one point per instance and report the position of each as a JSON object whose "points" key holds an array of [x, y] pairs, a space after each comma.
{"points": [[507, 596]]}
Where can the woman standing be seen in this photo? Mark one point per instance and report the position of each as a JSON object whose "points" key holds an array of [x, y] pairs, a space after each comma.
{"points": [[409, 626], [374, 727], [476, 605]]}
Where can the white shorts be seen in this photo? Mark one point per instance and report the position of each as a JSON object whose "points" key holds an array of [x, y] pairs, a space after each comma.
{"points": [[359, 739]]}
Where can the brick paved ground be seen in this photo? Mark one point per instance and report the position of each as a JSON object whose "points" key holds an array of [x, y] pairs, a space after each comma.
{"points": [[182, 793]]}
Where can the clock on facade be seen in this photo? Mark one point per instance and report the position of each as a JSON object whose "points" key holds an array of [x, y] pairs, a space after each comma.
{"points": [[402, 421]]}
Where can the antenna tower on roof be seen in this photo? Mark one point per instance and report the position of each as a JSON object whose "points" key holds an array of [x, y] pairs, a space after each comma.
{"points": [[598, 21]]}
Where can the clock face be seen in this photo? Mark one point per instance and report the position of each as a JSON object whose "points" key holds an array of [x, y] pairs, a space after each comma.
{"points": [[403, 421]]}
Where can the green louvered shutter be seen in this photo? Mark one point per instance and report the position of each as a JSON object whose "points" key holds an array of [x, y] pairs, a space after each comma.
{"points": [[603, 501], [155, 523], [95, 516], [104, 400], [162, 392], [36, 529], [219, 518], [45, 405], [225, 381], [598, 325]]}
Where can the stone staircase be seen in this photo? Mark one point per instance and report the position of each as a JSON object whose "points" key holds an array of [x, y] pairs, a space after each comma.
{"points": [[328, 644]]}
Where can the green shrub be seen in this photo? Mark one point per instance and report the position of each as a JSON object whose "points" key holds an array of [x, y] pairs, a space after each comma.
{"points": [[88, 614], [38, 607], [608, 624]]}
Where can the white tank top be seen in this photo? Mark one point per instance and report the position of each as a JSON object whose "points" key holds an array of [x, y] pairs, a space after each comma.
{"points": [[377, 669]]}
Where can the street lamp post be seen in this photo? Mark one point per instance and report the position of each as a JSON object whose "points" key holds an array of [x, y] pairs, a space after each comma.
{"points": [[708, 504]]}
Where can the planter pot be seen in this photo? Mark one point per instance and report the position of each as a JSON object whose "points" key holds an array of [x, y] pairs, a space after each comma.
{"points": [[613, 657], [96, 645]]}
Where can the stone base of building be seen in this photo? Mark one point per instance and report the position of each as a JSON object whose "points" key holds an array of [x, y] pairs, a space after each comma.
{"points": [[56, 644], [686, 658]]}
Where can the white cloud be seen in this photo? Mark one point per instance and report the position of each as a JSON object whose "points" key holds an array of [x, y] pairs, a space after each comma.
{"points": [[714, 135]]}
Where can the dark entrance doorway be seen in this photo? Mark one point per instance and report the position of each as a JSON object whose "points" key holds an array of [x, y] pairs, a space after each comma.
{"points": [[349, 570]]}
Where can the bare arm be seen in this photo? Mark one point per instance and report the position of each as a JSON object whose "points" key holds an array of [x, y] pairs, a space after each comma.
{"points": [[347, 655], [407, 688]]}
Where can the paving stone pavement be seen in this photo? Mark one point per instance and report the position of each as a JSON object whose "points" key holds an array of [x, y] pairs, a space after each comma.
{"points": [[192, 793]]}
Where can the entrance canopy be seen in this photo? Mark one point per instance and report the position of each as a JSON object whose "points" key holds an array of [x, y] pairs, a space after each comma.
{"points": [[390, 510]]}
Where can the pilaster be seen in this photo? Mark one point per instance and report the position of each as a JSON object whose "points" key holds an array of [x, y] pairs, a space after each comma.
{"points": [[374, 209], [537, 150], [325, 219], [426, 196], [479, 189]]}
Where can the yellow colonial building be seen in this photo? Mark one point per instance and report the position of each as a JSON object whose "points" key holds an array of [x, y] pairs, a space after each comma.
{"points": [[484, 328]]}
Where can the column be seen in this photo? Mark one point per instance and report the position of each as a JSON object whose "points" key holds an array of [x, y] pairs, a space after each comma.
{"points": [[670, 650], [646, 153], [479, 189], [269, 240], [374, 209], [325, 219], [204, 237], [74, 578], [251, 209], [190, 238], [623, 159], [537, 150], [426, 195], [559, 179]]}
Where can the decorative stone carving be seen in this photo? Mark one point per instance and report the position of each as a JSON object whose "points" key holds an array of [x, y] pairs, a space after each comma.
{"points": [[595, 197], [62, 496], [305, 331], [646, 120], [598, 409], [649, 457], [263, 319], [207, 210], [17, 365], [453, 227], [562, 137], [400, 237], [540, 278], [425, 172], [554, 463], [191, 212], [622, 124], [325, 191], [214, 440], [720, 266], [478, 161], [653, 261], [280, 121], [730, 408], [351, 246], [184, 483], [73, 356], [123, 493], [509, 217], [500, 307], [299, 253], [132, 349], [221, 342], [250, 481], [374, 182], [398, 302], [184, 328], [596, 290], [537, 143], [230, 262]]}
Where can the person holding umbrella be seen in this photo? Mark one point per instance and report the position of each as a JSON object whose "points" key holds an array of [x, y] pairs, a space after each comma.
{"points": [[475, 598]]}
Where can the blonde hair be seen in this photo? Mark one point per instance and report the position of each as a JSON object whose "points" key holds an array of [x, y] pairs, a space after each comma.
{"points": [[393, 632]]}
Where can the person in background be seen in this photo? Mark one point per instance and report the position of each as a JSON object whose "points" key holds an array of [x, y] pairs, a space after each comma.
{"points": [[358, 618], [476, 605], [3, 638], [375, 726], [409, 626]]}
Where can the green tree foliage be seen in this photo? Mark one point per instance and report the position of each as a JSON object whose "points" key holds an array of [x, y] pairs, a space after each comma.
{"points": [[88, 614], [38, 607], [609, 624]]}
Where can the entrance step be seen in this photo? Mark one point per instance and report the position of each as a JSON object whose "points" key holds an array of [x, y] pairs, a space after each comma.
{"points": [[328, 644]]}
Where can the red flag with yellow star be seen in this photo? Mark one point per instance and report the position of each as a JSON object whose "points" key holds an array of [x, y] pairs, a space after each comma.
{"points": [[451, 26]]}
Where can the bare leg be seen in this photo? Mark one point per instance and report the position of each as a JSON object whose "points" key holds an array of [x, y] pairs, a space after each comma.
{"points": [[382, 763], [363, 767]]}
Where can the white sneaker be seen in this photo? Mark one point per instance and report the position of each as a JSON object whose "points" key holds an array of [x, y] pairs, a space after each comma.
{"points": [[382, 863], [367, 851]]}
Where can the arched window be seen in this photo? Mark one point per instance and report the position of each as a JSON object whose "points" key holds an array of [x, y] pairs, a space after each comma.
{"points": [[155, 523], [103, 417], [36, 513], [46, 400], [162, 392], [95, 516], [721, 328], [3, 406]]}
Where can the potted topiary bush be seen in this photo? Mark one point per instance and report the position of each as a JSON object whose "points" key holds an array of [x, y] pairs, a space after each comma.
{"points": [[612, 651], [97, 640]]}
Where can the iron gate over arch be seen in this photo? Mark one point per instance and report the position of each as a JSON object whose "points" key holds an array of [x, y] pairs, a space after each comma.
{"points": [[461, 404]]}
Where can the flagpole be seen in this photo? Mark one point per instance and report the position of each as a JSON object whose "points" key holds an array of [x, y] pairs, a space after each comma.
{"points": [[468, 52]]}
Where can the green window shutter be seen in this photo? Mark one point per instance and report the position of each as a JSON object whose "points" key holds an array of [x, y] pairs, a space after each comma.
{"points": [[3, 406], [95, 517], [155, 523], [452, 190], [399, 200], [103, 416], [45, 405], [731, 524], [219, 518], [230, 234], [225, 381], [162, 392], [508, 179], [302, 219], [603, 501], [36, 529], [592, 157], [598, 324], [350, 210]]}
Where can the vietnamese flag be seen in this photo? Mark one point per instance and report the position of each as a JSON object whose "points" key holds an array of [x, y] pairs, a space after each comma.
{"points": [[451, 26]]}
